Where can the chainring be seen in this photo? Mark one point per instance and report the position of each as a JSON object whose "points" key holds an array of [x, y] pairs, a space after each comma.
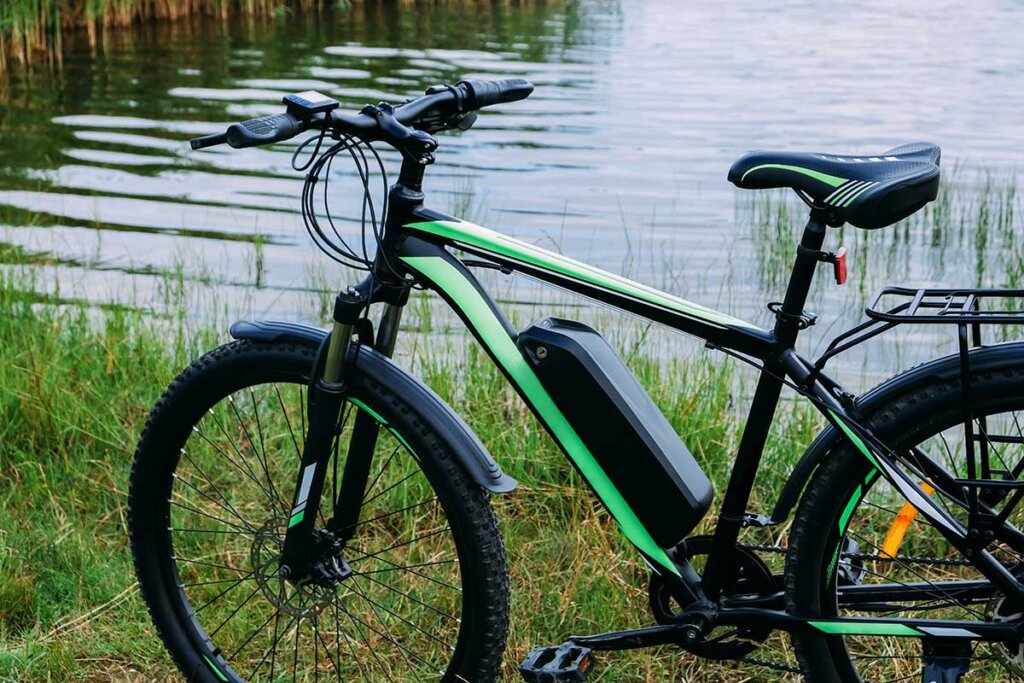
{"points": [[753, 579]]}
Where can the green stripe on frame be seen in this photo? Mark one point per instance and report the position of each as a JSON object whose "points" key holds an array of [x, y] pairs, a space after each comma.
{"points": [[472, 235], [865, 628], [855, 439], [831, 180], [482, 319], [215, 670], [296, 518]]}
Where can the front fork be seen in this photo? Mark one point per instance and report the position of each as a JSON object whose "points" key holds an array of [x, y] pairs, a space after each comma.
{"points": [[327, 397]]}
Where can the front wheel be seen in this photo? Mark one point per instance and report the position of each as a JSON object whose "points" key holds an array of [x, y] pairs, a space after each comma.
{"points": [[853, 529], [425, 591]]}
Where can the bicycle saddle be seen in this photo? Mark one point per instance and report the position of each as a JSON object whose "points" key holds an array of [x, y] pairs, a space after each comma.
{"points": [[865, 191]]}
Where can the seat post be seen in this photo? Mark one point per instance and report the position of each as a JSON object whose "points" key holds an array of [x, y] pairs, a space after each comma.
{"points": [[808, 256]]}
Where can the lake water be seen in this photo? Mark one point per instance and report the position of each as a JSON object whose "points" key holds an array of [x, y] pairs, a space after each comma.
{"points": [[619, 158]]}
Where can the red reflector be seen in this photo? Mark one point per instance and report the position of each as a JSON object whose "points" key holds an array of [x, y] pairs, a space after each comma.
{"points": [[839, 266]]}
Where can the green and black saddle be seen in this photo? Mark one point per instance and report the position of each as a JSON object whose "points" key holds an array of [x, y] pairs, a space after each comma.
{"points": [[865, 191]]}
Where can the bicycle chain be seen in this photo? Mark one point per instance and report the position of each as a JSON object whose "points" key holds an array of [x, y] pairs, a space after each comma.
{"points": [[773, 666], [902, 559], [779, 550]]}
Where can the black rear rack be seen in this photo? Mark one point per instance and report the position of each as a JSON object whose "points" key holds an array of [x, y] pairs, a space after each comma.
{"points": [[968, 311], [966, 308], [947, 306]]}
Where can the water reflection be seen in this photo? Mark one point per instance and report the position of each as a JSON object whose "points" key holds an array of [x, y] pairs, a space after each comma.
{"points": [[618, 159]]}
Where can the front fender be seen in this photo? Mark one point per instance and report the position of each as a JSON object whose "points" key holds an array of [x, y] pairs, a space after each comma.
{"points": [[452, 429], [943, 369]]}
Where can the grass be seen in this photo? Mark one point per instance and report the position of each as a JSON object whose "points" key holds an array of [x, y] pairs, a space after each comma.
{"points": [[35, 30], [77, 384]]}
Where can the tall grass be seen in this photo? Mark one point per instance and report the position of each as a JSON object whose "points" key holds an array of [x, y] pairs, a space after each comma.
{"points": [[30, 29], [33, 30]]}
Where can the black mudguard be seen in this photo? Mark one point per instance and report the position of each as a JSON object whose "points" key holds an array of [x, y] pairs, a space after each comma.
{"points": [[466, 447], [939, 370]]}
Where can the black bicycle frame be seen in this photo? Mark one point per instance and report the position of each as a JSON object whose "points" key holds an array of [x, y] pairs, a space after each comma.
{"points": [[419, 239]]}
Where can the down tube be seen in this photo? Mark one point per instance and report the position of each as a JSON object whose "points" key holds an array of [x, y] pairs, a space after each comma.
{"points": [[463, 293]]}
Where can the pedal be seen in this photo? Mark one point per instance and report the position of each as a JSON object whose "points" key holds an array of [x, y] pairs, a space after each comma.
{"points": [[557, 663]]}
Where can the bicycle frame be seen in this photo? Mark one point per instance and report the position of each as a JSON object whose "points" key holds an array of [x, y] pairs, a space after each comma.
{"points": [[419, 239]]}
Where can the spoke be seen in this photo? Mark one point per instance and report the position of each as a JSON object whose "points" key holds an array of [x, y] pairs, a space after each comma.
{"points": [[234, 612], [397, 568], [264, 461], [210, 482], [362, 636], [338, 634], [223, 532], [380, 620], [253, 635], [209, 516], [284, 412], [388, 638], [295, 655], [405, 568], [938, 591], [379, 473], [222, 594], [402, 619], [400, 545], [213, 583], [279, 505], [248, 468], [883, 508], [397, 483], [273, 645], [410, 597], [397, 512], [209, 564], [327, 651]]}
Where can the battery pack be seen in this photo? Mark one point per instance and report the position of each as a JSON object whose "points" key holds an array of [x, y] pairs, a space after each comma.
{"points": [[620, 425]]}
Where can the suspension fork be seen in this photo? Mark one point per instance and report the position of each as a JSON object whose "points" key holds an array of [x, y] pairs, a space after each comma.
{"points": [[326, 396], [364, 441]]}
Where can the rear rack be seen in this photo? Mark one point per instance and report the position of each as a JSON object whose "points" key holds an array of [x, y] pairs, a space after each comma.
{"points": [[946, 306], [968, 309]]}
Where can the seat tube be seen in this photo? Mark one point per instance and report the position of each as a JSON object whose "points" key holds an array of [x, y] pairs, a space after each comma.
{"points": [[720, 569]]}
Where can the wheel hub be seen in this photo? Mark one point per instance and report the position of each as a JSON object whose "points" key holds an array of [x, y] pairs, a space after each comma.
{"points": [[297, 597], [1001, 612]]}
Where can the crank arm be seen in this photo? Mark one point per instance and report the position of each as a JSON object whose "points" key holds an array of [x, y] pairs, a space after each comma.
{"points": [[633, 638]]}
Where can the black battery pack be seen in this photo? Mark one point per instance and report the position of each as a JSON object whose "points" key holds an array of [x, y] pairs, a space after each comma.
{"points": [[620, 425]]}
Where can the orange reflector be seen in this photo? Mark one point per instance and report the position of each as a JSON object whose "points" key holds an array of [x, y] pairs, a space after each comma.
{"points": [[905, 517]]}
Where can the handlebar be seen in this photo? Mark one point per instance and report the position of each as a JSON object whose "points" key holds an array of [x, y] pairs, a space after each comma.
{"points": [[441, 108]]}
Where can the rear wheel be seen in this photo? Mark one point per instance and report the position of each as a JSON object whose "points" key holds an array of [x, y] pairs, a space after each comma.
{"points": [[846, 532], [212, 483]]}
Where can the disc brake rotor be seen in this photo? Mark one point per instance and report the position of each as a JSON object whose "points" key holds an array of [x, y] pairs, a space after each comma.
{"points": [[299, 601], [1000, 612]]}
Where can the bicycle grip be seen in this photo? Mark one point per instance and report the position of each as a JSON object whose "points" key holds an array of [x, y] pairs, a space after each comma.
{"points": [[264, 130], [480, 94]]}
